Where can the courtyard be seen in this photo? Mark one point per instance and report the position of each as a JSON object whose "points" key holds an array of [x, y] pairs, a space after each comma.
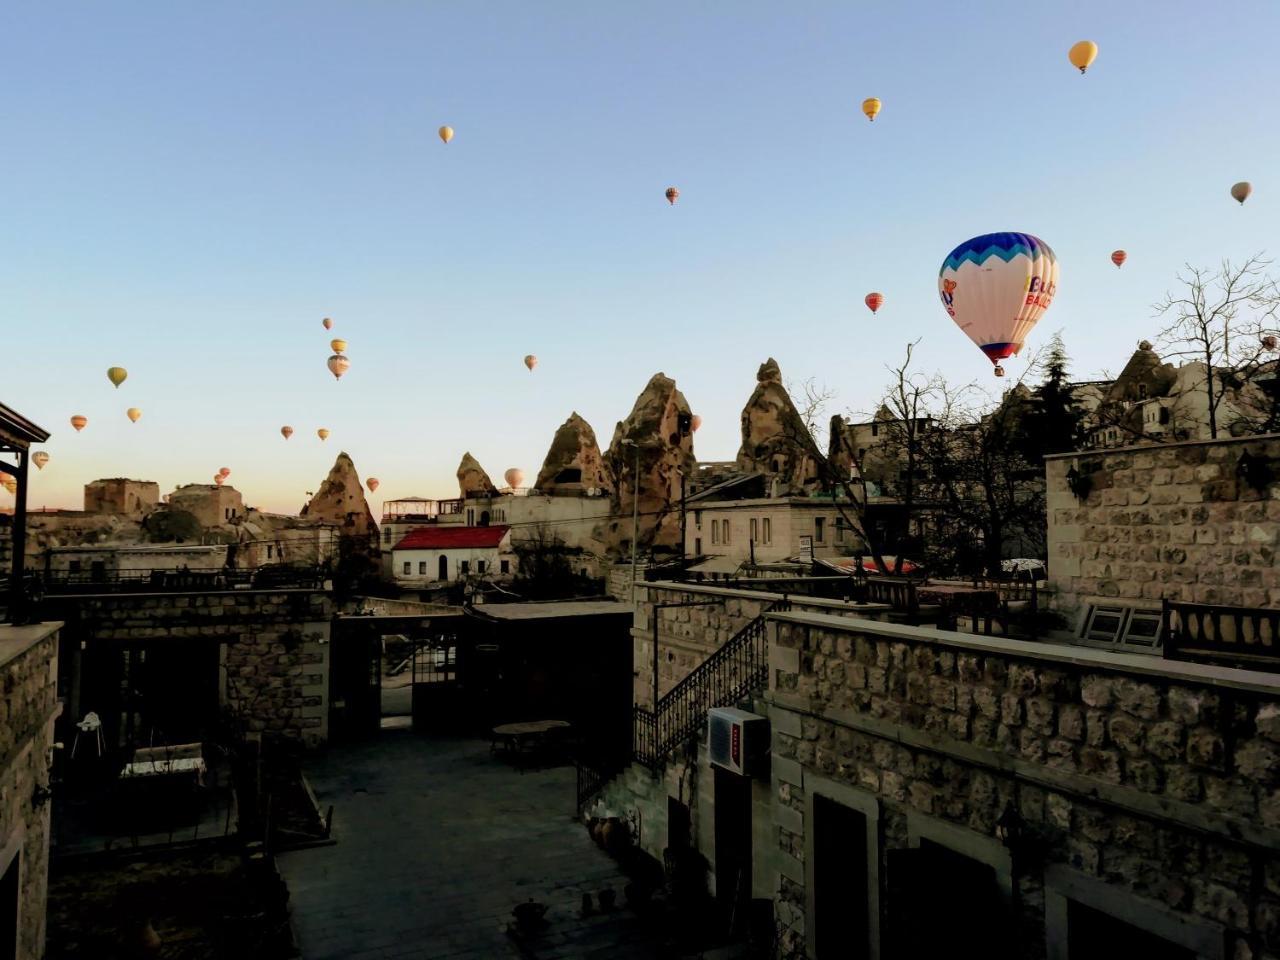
{"points": [[436, 842]]}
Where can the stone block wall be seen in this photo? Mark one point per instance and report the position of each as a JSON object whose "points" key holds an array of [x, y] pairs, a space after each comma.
{"points": [[27, 712], [1175, 521], [1157, 781], [275, 655]]}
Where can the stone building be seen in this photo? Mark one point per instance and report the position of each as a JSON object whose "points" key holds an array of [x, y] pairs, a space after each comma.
{"points": [[29, 658], [121, 497], [212, 505], [933, 793]]}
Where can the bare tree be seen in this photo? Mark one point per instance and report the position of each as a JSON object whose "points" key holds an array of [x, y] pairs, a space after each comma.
{"points": [[1227, 321], [812, 405]]}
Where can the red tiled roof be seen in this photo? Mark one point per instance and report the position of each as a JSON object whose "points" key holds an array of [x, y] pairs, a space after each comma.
{"points": [[451, 538]]}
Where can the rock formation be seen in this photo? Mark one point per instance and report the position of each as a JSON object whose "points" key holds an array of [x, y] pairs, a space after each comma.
{"points": [[472, 480], [665, 456], [775, 440], [340, 500], [573, 464]]}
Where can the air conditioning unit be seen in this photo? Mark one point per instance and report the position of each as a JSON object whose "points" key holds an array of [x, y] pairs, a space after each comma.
{"points": [[738, 741]]}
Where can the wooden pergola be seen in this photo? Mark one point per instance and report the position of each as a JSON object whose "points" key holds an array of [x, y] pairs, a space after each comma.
{"points": [[17, 434]]}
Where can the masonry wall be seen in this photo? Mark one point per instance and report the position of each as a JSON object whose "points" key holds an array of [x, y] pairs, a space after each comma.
{"points": [[1156, 783], [27, 713], [1175, 521], [125, 498], [275, 654]]}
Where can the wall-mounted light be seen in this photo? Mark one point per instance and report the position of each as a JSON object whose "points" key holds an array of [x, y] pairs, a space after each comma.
{"points": [[1010, 828], [1255, 471], [1078, 483]]}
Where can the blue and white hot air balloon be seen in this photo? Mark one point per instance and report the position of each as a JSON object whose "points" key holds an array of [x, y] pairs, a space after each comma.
{"points": [[996, 287]]}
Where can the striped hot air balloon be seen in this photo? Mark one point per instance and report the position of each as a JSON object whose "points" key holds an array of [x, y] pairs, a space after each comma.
{"points": [[873, 301], [79, 422], [1118, 257], [672, 195]]}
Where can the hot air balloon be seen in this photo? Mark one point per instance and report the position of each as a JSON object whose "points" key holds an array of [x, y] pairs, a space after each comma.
{"points": [[10, 484], [224, 472], [117, 375], [695, 423], [219, 479], [514, 477], [327, 323], [873, 300], [1118, 257], [286, 432], [531, 361], [1082, 54], [1240, 191], [134, 414], [338, 346], [871, 106], [1269, 342], [372, 483], [446, 134], [79, 422], [39, 458], [996, 287], [322, 433], [338, 365], [672, 195]]}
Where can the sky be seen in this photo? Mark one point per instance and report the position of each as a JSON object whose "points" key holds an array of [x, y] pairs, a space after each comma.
{"points": [[188, 189]]}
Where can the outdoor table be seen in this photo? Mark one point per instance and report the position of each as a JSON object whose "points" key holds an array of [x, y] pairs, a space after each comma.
{"points": [[180, 759], [974, 602], [516, 737]]}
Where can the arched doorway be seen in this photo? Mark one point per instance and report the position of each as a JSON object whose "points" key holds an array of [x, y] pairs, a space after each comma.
{"points": [[444, 568]]}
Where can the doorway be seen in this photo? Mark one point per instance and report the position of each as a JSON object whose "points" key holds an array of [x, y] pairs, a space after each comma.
{"points": [[841, 908], [1092, 934], [443, 568], [733, 847], [9, 892]]}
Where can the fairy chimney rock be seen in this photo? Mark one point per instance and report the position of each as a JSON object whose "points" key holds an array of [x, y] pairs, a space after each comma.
{"points": [[573, 464], [775, 440], [472, 480], [340, 500]]}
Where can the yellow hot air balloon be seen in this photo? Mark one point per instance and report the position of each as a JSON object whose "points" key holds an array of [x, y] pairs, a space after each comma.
{"points": [[39, 458], [117, 375], [338, 365], [339, 346], [1082, 54], [373, 483], [286, 432], [1240, 191], [322, 433], [328, 324], [446, 134], [531, 361], [79, 422], [134, 414], [871, 106]]}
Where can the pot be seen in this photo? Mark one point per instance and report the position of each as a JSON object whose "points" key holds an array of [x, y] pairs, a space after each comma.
{"points": [[529, 914]]}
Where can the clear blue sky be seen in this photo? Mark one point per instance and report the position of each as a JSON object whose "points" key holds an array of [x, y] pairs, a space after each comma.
{"points": [[189, 188]]}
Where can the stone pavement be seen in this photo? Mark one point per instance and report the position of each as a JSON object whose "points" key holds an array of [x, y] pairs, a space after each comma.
{"points": [[436, 842]]}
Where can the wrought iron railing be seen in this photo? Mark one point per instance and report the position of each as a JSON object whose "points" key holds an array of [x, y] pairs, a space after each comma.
{"points": [[1236, 636], [735, 669]]}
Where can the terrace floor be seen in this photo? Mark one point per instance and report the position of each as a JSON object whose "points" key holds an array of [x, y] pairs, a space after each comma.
{"points": [[437, 841]]}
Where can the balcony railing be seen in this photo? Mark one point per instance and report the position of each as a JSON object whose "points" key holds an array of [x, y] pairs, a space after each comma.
{"points": [[1234, 636]]}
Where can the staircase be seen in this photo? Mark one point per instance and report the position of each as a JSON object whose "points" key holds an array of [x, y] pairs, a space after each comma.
{"points": [[737, 668]]}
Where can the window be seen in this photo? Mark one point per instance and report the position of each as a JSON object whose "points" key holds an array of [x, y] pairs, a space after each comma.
{"points": [[697, 519], [464, 567], [819, 528], [504, 566], [268, 551], [697, 546], [875, 429], [715, 531], [479, 566], [839, 529], [724, 531], [73, 566], [408, 567], [1142, 391], [386, 534], [422, 568], [755, 532], [767, 531], [471, 517]]}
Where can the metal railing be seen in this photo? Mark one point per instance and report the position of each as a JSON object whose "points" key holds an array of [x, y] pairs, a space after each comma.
{"points": [[735, 669], [1238, 636], [145, 581]]}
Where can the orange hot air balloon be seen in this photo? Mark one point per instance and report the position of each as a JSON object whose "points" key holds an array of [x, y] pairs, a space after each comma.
{"points": [[338, 346], [328, 324], [224, 472], [1240, 191], [79, 422], [514, 477], [338, 365], [219, 479], [531, 361], [322, 433], [672, 195], [1118, 258], [134, 414], [695, 423], [286, 432], [373, 483], [873, 301], [39, 458], [10, 484]]}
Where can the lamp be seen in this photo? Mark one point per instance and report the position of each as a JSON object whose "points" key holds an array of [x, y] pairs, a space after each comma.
{"points": [[1078, 483], [1255, 471], [1010, 829]]}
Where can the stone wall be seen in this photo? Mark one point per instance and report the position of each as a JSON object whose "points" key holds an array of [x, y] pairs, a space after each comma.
{"points": [[125, 498], [1175, 521], [1155, 782], [275, 662], [28, 657]]}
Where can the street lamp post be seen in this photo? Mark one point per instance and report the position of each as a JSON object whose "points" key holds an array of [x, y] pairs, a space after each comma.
{"points": [[635, 515]]}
